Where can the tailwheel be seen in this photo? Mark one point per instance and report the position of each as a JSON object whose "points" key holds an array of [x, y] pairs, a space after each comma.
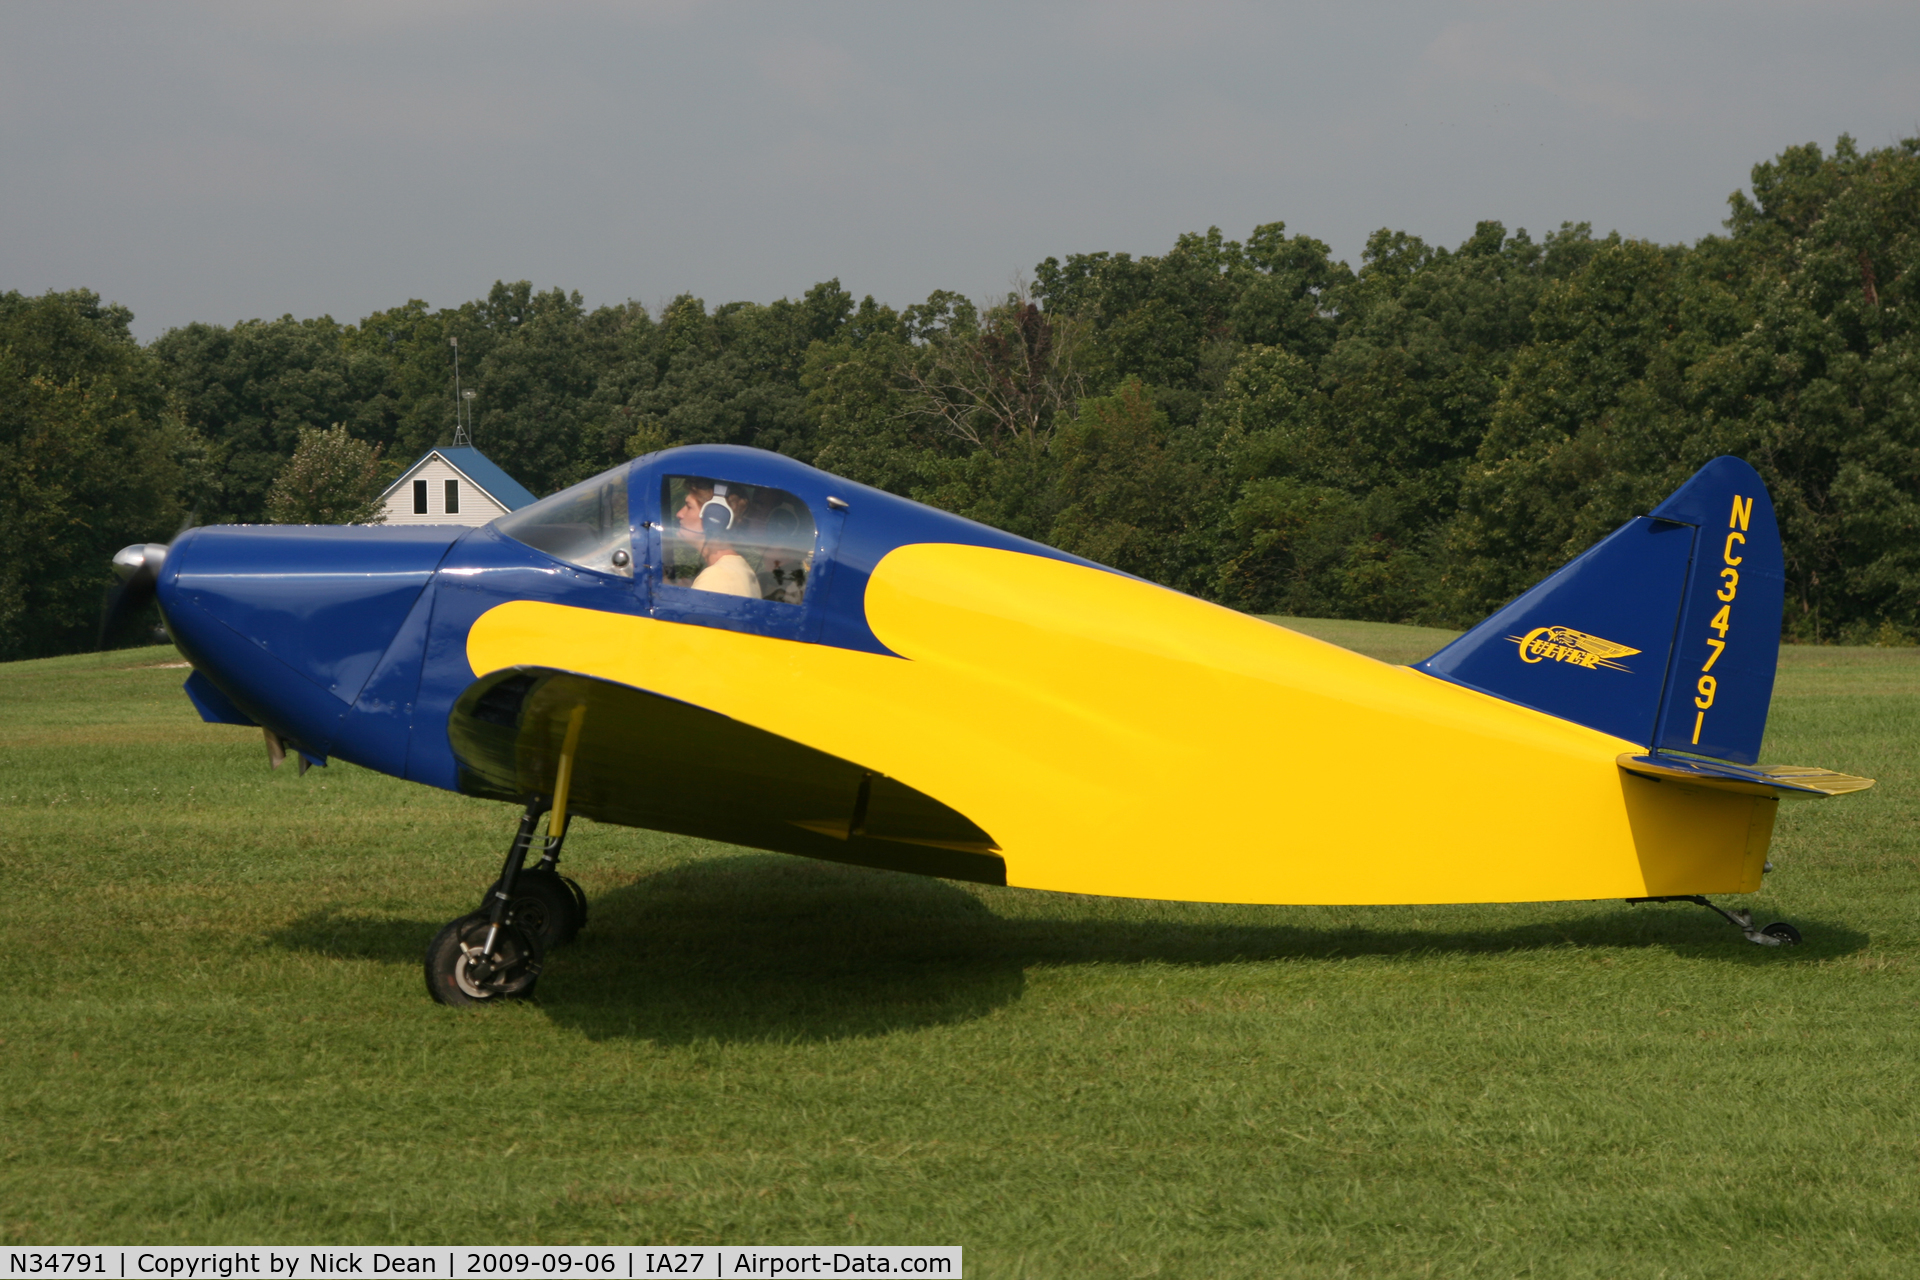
{"points": [[545, 903], [473, 961], [1777, 934]]}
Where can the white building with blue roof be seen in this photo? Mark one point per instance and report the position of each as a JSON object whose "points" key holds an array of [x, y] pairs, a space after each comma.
{"points": [[457, 485]]}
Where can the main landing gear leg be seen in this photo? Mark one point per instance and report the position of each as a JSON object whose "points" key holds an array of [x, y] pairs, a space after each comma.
{"points": [[542, 900], [1777, 934], [547, 904], [496, 952], [488, 955]]}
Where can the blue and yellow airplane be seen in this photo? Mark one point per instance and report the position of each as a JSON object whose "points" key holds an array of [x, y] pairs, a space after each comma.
{"points": [[725, 643]]}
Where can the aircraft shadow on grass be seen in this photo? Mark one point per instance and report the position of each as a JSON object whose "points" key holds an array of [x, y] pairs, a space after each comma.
{"points": [[771, 948]]}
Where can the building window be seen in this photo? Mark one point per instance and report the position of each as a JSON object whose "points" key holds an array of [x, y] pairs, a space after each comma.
{"points": [[419, 497], [453, 497]]}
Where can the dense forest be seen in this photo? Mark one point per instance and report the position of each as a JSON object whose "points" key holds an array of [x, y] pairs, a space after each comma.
{"points": [[1252, 421]]}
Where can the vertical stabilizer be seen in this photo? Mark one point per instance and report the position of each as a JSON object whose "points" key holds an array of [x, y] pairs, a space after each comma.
{"points": [[1665, 633]]}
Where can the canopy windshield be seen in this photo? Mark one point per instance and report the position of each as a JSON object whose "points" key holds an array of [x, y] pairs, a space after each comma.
{"points": [[585, 525]]}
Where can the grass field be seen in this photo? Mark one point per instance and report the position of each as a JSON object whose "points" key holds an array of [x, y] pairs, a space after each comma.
{"points": [[216, 1030]]}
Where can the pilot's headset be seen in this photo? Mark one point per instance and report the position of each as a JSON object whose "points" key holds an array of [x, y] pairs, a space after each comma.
{"points": [[716, 515]]}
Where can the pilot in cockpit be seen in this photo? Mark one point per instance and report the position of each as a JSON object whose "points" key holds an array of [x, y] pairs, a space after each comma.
{"points": [[784, 550], [706, 518]]}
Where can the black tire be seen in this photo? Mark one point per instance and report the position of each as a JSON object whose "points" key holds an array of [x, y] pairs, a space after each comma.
{"points": [[579, 902], [454, 975], [546, 904], [1788, 935]]}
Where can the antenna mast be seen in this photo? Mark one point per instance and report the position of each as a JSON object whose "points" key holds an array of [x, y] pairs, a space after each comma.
{"points": [[462, 404]]}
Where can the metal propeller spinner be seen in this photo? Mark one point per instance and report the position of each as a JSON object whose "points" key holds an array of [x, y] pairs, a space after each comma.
{"points": [[138, 568]]}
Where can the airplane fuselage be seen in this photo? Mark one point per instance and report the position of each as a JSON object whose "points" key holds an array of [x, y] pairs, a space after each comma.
{"points": [[1087, 730]]}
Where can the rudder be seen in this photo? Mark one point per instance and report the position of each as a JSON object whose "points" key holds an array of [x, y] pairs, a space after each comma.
{"points": [[1727, 646]]}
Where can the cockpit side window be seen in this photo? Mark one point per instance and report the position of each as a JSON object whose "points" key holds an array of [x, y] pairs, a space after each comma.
{"points": [[743, 540], [585, 525]]}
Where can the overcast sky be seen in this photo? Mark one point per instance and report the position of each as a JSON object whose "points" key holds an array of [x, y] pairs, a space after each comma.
{"points": [[222, 161]]}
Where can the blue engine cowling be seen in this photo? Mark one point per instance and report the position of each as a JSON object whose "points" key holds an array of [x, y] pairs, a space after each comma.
{"points": [[290, 621]]}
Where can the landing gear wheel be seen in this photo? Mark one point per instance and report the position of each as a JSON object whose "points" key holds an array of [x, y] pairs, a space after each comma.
{"points": [[545, 903], [579, 901], [1788, 935], [460, 972]]}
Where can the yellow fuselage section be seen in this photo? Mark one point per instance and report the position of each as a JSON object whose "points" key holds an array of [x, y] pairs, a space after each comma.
{"points": [[1119, 738]]}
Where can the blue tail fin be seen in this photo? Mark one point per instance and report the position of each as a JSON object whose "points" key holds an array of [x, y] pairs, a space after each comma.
{"points": [[1664, 633]]}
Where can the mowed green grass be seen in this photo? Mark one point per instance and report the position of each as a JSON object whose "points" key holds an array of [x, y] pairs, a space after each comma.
{"points": [[215, 1029]]}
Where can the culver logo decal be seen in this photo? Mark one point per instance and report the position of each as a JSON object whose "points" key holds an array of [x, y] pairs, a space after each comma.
{"points": [[1564, 644]]}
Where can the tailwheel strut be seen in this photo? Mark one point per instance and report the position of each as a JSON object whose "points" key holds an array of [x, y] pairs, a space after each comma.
{"points": [[1777, 934]]}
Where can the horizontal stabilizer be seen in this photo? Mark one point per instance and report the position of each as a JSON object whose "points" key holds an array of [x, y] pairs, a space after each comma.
{"points": [[1784, 781]]}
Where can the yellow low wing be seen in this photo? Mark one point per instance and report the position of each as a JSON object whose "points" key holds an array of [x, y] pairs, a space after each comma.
{"points": [[1119, 738]]}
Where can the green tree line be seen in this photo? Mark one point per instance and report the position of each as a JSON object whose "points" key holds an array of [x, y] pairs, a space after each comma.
{"points": [[1253, 421]]}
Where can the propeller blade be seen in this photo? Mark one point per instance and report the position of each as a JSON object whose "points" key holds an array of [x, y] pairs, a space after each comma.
{"points": [[138, 568]]}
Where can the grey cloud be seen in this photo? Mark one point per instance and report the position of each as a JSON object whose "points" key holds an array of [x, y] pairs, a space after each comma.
{"points": [[218, 161]]}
